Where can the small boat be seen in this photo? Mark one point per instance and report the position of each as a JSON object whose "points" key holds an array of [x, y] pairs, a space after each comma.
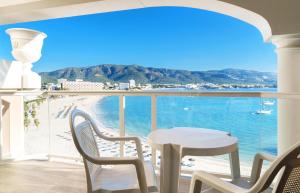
{"points": [[269, 103], [186, 108], [263, 111]]}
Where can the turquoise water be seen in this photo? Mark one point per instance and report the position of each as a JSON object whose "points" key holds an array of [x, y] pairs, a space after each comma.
{"points": [[256, 132]]}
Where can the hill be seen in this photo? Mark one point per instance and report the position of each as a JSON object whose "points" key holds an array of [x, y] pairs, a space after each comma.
{"points": [[123, 73]]}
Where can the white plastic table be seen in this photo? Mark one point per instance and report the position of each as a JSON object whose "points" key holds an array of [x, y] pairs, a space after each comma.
{"points": [[178, 142]]}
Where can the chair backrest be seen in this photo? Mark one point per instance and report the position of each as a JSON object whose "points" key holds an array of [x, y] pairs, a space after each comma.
{"points": [[83, 136], [289, 180]]}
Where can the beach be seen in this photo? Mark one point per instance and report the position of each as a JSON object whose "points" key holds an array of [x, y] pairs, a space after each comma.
{"points": [[54, 137], [53, 134]]}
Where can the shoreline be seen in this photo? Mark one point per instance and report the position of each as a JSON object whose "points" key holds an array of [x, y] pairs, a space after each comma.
{"points": [[60, 141], [215, 164]]}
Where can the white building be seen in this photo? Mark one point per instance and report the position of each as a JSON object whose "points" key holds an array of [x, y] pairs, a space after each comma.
{"points": [[51, 86], [124, 86], [61, 80], [148, 86], [132, 83], [79, 84]]}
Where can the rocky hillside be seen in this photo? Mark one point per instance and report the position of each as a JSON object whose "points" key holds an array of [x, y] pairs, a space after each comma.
{"points": [[123, 73]]}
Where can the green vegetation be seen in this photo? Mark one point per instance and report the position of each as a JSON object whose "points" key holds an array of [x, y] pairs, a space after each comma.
{"points": [[30, 111]]}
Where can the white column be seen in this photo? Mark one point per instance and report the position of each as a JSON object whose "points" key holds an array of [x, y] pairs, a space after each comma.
{"points": [[15, 125], [288, 56], [12, 127]]}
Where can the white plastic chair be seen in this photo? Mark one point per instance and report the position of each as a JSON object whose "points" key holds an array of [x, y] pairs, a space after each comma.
{"points": [[286, 167], [127, 174]]}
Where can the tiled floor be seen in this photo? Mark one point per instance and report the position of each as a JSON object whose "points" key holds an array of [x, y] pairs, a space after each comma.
{"points": [[48, 177]]}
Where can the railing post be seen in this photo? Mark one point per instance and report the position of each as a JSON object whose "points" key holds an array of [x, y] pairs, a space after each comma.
{"points": [[153, 124], [1, 137], [122, 122], [49, 128]]}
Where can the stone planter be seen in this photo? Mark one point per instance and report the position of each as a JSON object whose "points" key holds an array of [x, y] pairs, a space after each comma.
{"points": [[26, 44], [26, 49]]}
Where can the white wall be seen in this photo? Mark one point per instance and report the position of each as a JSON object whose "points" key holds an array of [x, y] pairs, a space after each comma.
{"points": [[10, 74], [13, 128]]}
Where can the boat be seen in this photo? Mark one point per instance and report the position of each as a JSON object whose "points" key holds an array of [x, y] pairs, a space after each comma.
{"points": [[263, 111], [269, 103]]}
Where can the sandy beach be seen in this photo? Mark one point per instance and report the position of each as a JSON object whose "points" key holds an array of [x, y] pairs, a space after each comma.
{"points": [[54, 137], [53, 134]]}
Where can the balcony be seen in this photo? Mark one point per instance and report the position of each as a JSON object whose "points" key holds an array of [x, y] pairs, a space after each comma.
{"points": [[34, 125], [123, 113]]}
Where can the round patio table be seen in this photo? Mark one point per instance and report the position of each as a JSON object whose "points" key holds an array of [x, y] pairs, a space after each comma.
{"points": [[178, 142]]}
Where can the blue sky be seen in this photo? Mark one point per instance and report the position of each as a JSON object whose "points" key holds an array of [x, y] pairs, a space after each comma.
{"points": [[178, 38]]}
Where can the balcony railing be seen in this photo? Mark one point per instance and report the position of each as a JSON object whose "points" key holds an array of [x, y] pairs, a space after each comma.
{"points": [[140, 112]]}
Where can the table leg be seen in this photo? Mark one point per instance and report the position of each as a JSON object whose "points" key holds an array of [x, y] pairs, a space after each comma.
{"points": [[235, 164], [170, 168]]}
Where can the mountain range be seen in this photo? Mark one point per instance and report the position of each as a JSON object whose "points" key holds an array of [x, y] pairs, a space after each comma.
{"points": [[141, 74]]}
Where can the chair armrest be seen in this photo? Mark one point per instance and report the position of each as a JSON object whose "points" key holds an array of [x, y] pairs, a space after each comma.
{"points": [[137, 143], [257, 165], [139, 166], [266, 156], [135, 139], [200, 177]]}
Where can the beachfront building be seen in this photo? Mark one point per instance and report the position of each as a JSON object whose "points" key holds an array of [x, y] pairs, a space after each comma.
{"points": [[124, 86], [132, 83], [277, 20], [61, 81], [147, 86], [79, 84], [51, 86], [109, 85]]}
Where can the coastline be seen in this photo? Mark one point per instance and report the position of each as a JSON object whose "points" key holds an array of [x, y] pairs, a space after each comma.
{"points": [[53, 134], [216, 164], [60, 142]]}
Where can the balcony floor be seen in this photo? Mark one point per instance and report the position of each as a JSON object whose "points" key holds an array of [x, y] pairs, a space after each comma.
{"points": [[48, 177]]}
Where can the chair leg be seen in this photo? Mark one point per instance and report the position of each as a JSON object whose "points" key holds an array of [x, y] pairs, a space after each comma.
{"points": [[170, 168], [235, 164], [197, 186]]}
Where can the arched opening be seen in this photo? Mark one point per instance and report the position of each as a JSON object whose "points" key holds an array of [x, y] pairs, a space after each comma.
{"points": [[171, 35], [159, 34], [288, 44]]}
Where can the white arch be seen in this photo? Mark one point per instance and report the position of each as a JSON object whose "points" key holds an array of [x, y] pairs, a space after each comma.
{"points": [[48, 9], [224, 8]]}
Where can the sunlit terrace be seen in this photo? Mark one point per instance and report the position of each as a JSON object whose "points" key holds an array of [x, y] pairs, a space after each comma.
{"points": [[86, 140]]}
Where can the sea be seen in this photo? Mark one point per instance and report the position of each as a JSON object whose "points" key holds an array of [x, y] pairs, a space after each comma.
{"points": [[237, 115]]}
